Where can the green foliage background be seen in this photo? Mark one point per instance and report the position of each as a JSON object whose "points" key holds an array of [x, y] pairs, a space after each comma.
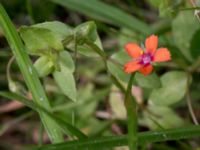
{"points": [[70, 56]]}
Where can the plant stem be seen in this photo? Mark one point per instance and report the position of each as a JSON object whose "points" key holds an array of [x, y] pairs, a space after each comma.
{"points": [[189, 102], [192, 114], [130, 104], [131, 108]]}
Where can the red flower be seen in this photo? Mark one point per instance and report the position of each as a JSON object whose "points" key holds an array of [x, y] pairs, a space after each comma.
{"points": [[142, 60]]}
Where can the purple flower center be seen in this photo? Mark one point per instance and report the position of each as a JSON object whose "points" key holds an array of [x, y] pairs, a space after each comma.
{"points": [[146, 59]]}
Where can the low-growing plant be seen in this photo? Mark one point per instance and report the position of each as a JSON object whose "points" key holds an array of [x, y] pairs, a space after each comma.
{"points": [[68, 75]]}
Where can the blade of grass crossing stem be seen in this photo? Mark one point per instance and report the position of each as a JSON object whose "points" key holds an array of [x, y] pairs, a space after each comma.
{"points": [[131, 108], [107, 13], [114, 141], [65, 127], [30, 75]]}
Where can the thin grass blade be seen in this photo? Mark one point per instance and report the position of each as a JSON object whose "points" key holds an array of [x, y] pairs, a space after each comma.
{"points": [[114, 141], [30, 75], [105, 12], [67, 128]]}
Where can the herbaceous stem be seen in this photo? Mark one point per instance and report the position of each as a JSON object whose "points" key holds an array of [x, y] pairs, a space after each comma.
{"points": [[131, 108]]}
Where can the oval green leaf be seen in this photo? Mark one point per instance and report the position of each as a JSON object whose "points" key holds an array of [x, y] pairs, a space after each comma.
{"points": [[151, 81], [66, 82], [40, 41], [174, 85], [184, 27]]}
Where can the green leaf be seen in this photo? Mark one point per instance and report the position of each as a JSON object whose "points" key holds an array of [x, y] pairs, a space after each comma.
{"points": [[86, 50], [162, 117], [107, 13], [195, 45], [87, 30], [151, 81], [57, 27], [184, 27], [66, 82], [172, 83], [43, 66], [66, 60], [88, 105], [40, 41]]}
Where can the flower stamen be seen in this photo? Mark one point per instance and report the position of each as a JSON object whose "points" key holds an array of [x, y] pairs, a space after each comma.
{"points": [[146, 59]]}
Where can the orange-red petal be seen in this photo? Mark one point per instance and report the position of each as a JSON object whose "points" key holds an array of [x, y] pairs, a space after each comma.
{"points": [[146, 70], [151, 44], [133, 50], [132, 66], [161, 55]]}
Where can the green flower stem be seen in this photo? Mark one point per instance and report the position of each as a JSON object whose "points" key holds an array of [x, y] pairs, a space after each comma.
{"points": [[131, 108], [130, 104], [30, 75]]}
